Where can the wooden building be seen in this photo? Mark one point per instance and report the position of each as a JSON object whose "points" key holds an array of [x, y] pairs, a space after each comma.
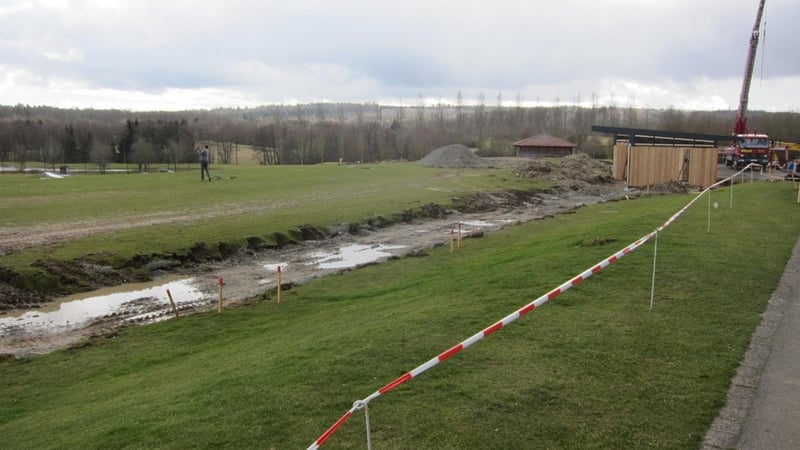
{"points": [[543, 146], [651, 157], [649, 165]]}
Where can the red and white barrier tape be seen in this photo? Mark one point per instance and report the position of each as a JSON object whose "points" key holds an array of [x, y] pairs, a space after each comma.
{"points": [[360, 404], [479, 336]]}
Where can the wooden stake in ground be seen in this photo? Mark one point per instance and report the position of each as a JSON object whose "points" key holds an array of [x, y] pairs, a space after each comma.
{"points": [[219, 304], [279, 284], [174, 309]]}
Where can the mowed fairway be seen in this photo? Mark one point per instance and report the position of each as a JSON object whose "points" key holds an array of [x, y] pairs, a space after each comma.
{"points": [[131, 214], [595, 368]]}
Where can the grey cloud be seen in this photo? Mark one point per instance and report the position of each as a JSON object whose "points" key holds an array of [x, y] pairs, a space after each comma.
{"points": [[435, 47]]}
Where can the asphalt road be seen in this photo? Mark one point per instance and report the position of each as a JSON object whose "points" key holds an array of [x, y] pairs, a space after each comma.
{"points": [[763, 405]]}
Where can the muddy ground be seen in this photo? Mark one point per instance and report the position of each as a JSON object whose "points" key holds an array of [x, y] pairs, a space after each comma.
{"points": [[250, 274]]}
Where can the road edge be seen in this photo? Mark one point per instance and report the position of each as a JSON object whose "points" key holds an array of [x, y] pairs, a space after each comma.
{"points": [[726, 430]]}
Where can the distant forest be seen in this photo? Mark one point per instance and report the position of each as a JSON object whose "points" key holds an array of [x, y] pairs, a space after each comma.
{"points": [[325, 132]]}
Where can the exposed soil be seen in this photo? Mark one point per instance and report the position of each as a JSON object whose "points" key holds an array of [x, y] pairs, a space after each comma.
{"points": [[578, 180]]}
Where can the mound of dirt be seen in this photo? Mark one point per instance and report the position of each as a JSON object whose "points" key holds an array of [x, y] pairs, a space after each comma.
{"points": [[575, 168], [453, 156]]}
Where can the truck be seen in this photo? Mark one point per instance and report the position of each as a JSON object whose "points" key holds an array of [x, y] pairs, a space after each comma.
{"points": [[747, 147]]}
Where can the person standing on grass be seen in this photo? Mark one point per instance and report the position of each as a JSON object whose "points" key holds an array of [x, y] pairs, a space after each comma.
{"points": [[203, 152]]}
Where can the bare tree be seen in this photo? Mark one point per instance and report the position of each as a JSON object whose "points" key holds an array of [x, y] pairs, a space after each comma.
{"points": [[440, 114], [480, 117], [142, 154], [519, 112], [459, 110], [420, 110], [101, 153]]}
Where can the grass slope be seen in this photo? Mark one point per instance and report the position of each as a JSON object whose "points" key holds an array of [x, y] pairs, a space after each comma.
{"points": [[595, 368]]}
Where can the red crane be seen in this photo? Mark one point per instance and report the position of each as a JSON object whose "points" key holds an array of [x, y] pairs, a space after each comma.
{"points": [[740, 127], [748, 147]]}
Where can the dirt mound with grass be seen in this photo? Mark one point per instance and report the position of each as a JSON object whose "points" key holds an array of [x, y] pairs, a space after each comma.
{"points": [[579, 170], [453, 156]]}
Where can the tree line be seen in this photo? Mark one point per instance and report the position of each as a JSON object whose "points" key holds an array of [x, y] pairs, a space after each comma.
{"points": [[325, 132]]}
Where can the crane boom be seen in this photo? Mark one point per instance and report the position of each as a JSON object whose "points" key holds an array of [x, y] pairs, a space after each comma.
{"points": [[740, 127], [748, 148]]}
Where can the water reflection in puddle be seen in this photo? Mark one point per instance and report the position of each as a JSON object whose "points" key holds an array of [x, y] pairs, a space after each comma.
{"points": [[272, 267], [477, 223], [352, 256], [132, 300]]}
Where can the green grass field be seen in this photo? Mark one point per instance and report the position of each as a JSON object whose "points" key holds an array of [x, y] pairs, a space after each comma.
{"points": [[594, 368], [247, 201]]}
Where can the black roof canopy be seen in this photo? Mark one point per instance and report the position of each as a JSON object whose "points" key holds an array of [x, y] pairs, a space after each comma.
{"points": [[640, 136]]}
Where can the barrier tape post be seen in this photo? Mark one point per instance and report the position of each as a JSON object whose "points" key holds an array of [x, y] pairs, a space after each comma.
{"points": [[459, 234], [366, 420], [798, 192], [653, 282], [171, 302], [279, 284], [452, 231], [708, 230], [219, 303]]}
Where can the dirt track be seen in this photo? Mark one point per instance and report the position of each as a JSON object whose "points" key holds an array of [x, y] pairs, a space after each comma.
{"points": [[19, 238]]}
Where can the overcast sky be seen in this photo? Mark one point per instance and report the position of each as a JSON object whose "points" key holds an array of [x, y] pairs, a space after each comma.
{"points": [[176, 54]]}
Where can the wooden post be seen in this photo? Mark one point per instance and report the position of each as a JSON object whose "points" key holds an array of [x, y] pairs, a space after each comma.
{"points": [[451, 238], [174, 309], [219, 304], [279, 284]]}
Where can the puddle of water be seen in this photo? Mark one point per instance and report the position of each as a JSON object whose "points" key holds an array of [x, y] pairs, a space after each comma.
{"points": [[78, 310], [477, 223], [352, 256], [464, 226], [272, 268]]}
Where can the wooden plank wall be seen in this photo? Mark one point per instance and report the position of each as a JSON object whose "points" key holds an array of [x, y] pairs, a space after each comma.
{"points": [[660, 165], [620, 161]]}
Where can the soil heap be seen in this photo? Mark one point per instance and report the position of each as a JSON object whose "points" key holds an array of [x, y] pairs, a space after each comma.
{"points": [[453, 156], [579, 170]]}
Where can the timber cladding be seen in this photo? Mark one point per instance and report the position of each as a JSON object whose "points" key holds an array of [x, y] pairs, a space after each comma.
{"points": [[648, 165]]}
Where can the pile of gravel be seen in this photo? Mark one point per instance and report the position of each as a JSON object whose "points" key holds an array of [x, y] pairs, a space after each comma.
{"points": [[453, 156]]}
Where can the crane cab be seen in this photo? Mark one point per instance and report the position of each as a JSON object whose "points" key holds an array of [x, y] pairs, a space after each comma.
{"points": [[749, 148]]}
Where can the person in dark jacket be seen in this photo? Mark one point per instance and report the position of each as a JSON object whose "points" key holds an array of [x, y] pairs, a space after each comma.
{"points": [[203, 152]]}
